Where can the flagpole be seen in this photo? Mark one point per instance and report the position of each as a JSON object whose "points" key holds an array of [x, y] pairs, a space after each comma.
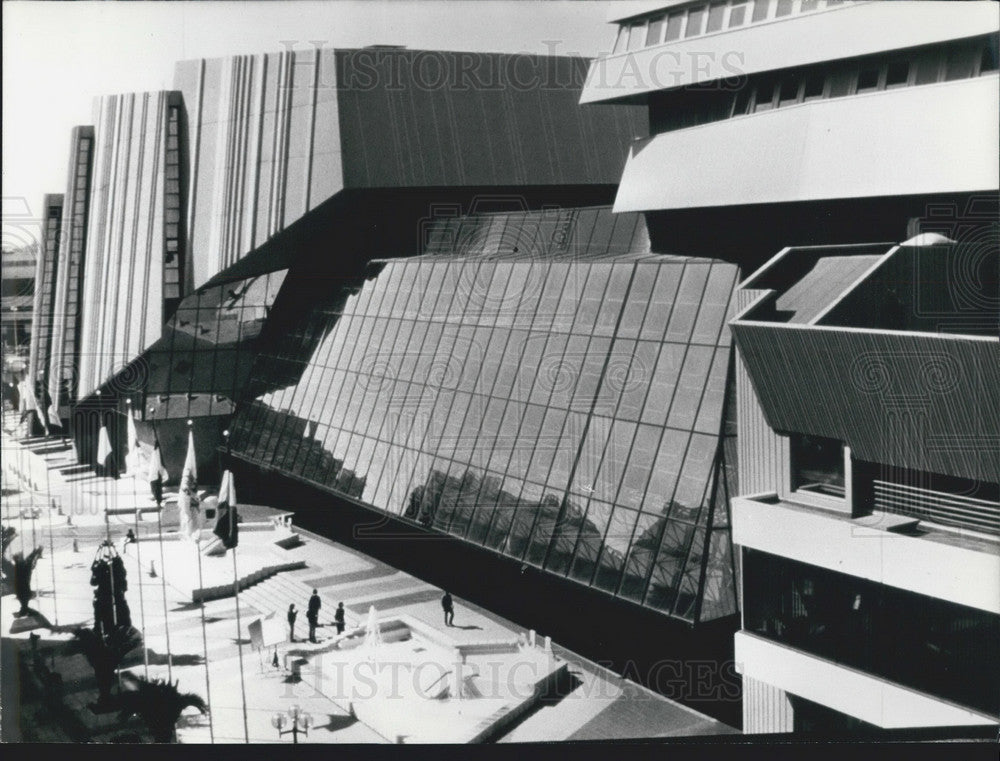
{"points": [[163, 577], [239, 627], [201, 604], [52, 548], [133, 445]]}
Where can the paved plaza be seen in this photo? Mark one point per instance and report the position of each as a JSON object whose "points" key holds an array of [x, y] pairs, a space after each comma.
{"points": [[277, 564]]}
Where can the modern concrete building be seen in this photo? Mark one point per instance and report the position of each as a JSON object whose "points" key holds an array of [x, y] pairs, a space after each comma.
{"points": [[411, 286], [46, 275], [781, 126], [871, 566], [801, 122], [134, 232], [64, 359]]}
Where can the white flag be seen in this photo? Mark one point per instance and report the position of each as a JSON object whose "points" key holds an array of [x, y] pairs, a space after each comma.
{"points": [[187, 501], [156, 470], [53, 413], [131, 447], [103, 447]]}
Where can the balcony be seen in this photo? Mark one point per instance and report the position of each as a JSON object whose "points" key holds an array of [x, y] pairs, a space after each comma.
{"points": [[853, 692], [880, 144], [795, 40], [963, 569]]}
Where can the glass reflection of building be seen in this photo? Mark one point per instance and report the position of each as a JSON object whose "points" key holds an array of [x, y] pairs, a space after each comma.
{"points": [[539, 384], [196, 370]]}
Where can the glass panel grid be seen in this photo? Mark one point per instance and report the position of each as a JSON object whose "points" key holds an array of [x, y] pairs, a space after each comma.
{"points": [[472, 396]]}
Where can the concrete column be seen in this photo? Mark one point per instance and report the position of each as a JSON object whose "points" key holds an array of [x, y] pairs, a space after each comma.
{"points": [[766, 709]]}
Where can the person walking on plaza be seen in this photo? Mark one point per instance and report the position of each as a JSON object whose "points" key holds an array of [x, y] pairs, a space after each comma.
{"points": [[292, 615], [338, 618], [449, 609], [313, 615]]}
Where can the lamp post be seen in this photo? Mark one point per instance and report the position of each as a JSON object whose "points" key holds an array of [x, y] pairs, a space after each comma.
{"points": [[296, 719]]}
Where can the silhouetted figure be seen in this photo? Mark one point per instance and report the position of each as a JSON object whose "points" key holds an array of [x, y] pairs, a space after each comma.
{"points": [[292, 615], [449, 609], [313, 614], [338, 618]]}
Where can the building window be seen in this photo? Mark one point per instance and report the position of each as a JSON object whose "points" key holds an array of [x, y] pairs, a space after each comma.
{"points": [[988, 60], [784, 8], [737, 13], [897, 74], [764, 96], [868, 78], [741, 103], [716, 15], [928, 644], [695, 22], [814, 86], [636, 33], [817, 465], [789, 91], [674, 23], [655, 33], [761, 8]]}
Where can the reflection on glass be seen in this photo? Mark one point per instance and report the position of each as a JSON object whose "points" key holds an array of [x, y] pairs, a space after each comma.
{"points": [[543, 409]]}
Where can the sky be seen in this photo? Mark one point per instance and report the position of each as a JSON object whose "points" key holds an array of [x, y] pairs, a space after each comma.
{"points": [[57, 56]]}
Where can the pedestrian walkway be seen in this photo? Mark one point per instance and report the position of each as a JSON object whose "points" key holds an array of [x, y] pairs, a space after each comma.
{"points": [[207, 651]]}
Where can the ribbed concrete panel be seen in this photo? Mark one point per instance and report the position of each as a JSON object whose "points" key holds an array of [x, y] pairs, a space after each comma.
{"points": [[273, 136], [766, 708], [759, 446], [63, 361], [125, 239], [46, 273], [919, 401]]}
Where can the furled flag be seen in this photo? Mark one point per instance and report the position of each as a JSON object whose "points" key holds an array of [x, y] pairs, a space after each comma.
{"points": [[53, 394], [29, 404], [131, 446], [157, 474], [227, 524], [187, 499], [105, 454], [53, 413]]}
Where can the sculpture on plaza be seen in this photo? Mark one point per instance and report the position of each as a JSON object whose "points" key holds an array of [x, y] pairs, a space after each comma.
{"points": [[109, 579], [159, 704], [19, 570], [105, 653]]}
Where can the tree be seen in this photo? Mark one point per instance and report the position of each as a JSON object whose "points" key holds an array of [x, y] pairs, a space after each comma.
{"points": [[105, 654], [159, 704]]}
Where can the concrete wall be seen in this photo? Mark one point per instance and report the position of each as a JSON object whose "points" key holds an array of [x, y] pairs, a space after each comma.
{"points": [[880, 144], [125, 236]]}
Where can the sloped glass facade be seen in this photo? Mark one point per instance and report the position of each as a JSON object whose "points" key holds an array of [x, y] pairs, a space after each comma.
{"points": [[566, 411], [201, 363]]}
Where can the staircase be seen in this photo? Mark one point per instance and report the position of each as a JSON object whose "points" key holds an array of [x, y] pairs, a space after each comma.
{"points": [[276, 593]]}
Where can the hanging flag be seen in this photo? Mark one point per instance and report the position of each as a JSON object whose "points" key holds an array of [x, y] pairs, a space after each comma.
{"points": [[157, 474], [187, 500], [227, 525], [105, 454], [29, 404], [131, 446], [53, 413]]}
